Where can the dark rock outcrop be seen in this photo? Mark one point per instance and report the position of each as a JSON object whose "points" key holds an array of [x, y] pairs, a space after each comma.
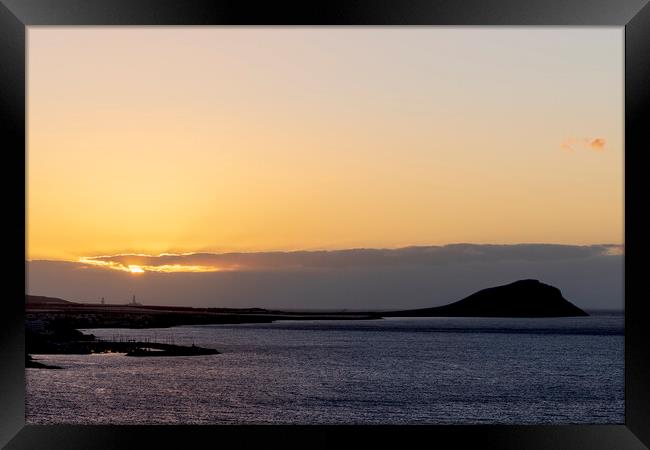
{"points": [[523, 298]]}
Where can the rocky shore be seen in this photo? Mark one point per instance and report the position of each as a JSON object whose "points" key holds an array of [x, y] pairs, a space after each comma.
{"points": [[52, 326]]}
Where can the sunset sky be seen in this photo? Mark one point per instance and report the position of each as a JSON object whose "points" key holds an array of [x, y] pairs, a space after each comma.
{"points": [[211, 140], [152, 140]]}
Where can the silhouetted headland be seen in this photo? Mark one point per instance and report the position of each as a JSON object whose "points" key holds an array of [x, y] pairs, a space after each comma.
{"points": [[523, 298], [52, 324]]}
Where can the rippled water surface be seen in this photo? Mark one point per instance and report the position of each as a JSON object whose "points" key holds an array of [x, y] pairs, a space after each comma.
{"points": [[398, 371]]}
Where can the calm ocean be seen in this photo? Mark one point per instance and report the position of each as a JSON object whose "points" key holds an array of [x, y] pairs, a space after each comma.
{"points": [[392, 371]]}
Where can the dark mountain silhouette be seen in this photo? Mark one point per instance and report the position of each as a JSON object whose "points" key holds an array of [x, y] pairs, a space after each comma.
{"points": [[523, 298]]}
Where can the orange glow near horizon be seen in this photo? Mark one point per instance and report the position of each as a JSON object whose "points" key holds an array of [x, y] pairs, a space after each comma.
{"points": [[138, 269], [252, 139]]}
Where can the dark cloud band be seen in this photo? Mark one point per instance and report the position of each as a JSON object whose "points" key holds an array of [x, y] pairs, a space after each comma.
{"points": [[407, 256]]}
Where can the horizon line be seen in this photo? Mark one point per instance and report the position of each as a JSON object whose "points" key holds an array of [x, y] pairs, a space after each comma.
{"points": [[313, 250]]}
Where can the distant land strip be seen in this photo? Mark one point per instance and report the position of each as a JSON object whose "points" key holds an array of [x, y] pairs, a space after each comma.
{"points": [[52, 324]]}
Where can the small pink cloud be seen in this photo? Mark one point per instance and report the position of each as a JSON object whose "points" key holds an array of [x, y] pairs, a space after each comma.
{"points": [[572, 144], [597, 144]]}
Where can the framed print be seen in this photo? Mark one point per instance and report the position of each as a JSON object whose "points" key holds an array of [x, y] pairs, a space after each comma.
{"points": [[300, 225]]}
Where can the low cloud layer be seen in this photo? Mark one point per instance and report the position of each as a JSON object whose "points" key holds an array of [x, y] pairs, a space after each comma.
{"points": [[414, 277], [352, 258]]}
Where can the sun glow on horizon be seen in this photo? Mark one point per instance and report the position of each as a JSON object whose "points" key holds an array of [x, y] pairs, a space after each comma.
{"points": [[142, 268]]}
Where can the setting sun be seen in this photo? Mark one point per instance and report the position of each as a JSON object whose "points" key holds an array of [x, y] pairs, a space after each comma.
{"points": [[136, 269]]}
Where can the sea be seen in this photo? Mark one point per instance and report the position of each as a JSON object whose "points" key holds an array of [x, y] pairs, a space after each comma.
{"points": [[388, 371]]}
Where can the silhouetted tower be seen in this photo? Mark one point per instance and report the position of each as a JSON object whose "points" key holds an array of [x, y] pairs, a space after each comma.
{"points": [[103, 302], [133, 301]]}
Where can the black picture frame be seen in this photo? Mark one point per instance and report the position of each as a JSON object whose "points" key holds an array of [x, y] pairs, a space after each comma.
{"points": [[633, 15]]}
